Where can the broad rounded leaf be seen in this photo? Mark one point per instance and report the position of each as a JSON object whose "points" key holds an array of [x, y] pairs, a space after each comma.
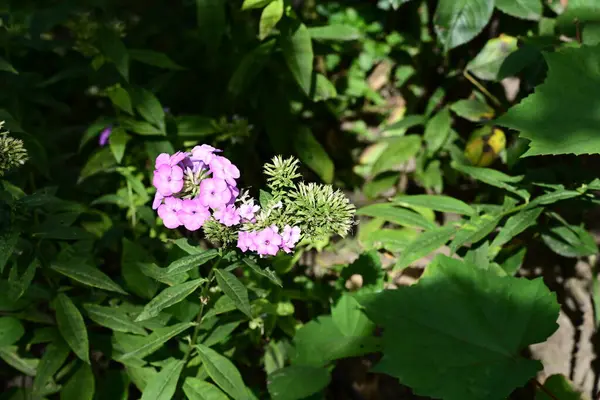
{"points": [[559, 117], [223, 372], [297, 382], [72, 327], [398, 151], [473, 109], [479, 323], [168, 297], [11, 330], [349, 318], [458, 21]]}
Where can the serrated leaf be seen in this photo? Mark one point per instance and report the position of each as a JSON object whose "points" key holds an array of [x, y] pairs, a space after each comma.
{"points": [[514, 226], [235, 290], [398, 151], [270, 16], [424, 244], [81, 386], [54, 357], [11, 330], [197, 389], [474, 230], [450, 306], [349, 318], [72, 327], [267, 273], [168, 297], [154, 341], [524, 9], [437, 130], [570, 87], [335, 32], [79, 271], [223, 372], [154, 58], [113, 318], [487, 64], [396, 215], [188, 263], [434, 202], [456, 22], [297, 382], [118, 142], [298, 53], [311, 153], [164, 385]]}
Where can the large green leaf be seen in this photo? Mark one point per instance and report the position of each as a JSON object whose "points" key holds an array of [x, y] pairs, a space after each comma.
{"points": [[524, 9], [190, 262], [435, 202], [398, 151], [560, 116], [456, 22], [298, 54], [164, 385], [486, 65], [270, 16], [81, 386], [79, 271], [197, 389], [72, 327], [396, 215], [11, 330], [297, 382], [223, 372], [514, 226], [168, 297], [570, 241], [462, 327], [349, 318], [235, 290], [154, 341], [424, 244], [113, 318]]}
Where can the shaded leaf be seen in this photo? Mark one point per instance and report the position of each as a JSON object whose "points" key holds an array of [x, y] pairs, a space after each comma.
{"points": [[168, 297], [398, 151], [8, 241], [311, 153], [190, 262], [81, 386], [298, 54], [223, 372], [334, 32], [440, 203], [267, 272], [197, 389], [154, 58], [11, 330], [54, 357], [456, 22], [72, 327], [11, 357], [474, 230], [235, 290], [118, 141], [570, 241], [524, 9], [149, 344], [164, 385], [514, 226], [487, 64], [297, 382], [78, 270]]}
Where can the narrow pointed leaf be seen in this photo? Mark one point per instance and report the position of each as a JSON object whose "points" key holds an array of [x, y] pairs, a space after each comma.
{"points": [[154, 341], [81, 386], [197, 389], [424, 244], [267, 273], [11, 330], [25, 365], [190, 262], [396, 215], [514, 226], [298, 54], [223, 372], [54, 357], [164, 385], [436, 202], [169, 297], [72, 327], [113, 318], [87, 275], [235, 290]]}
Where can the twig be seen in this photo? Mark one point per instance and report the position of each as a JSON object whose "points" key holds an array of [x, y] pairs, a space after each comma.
{"points": [[482, 88]]}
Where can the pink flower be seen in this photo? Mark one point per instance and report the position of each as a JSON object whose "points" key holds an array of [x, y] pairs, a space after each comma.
{"points": [[178, 157], [204, 153], [158, 198], [247, 210], [246, 241], [290, 236], [214, 193], [168, 179], [193, 214], [267, 241], [168, 212], [105, 136], [228, 216], [222, 168], [163, 158]]}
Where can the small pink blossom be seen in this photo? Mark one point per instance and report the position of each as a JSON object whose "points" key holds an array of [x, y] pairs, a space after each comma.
{"points": [[168, 212], [267, 242], [193, 214], [105, 136], [168, 179], [248, 210], [214, 193], [228, 216], [290, 236], [178, 157], [204, 153], [158, 198], [163, 158], [222, 168], [246, 241]]}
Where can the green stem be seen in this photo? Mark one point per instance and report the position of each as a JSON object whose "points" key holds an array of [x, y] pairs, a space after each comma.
{"points": [[203, 296]]}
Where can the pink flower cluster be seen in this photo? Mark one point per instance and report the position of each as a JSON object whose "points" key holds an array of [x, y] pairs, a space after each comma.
{"points": [[268, 242], [215, 179]]}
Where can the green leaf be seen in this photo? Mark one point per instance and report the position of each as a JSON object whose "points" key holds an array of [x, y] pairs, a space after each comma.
{"points": [[394, 240], [470, 326], [493, 178], [524, 9], [168, 297], [155, 272], [267, 272], [195, 126], [474, 230], [8, 242], [298, 54], [235, 290], [7, 67], [249, 4], [118, 141], [223, 372], [54, 357], [72, 327], [79, 271], [559, 387], [473, 109], [513, 263], [197, 389], [514, 226], [349, 318], [11, 330], [113, 318], [212, 22], [81, 386], [135, 279], [398, 151], [297, 382], [154, 58], [190, 262], [149, 344], [570, 241], [324, 89], [250, 66], [270, 16], [220, 333], [437, 130], [164, 385], [115, 51], [141, 127], [487, 64], [146, 103], [456, 22], [121, 99], [396, 215], [551, 198], [569, 87], [434, 202], [424, 244], [405, 123], [19, 285], [101, 161], [11, 357], [335, 32], [311, 153]]}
